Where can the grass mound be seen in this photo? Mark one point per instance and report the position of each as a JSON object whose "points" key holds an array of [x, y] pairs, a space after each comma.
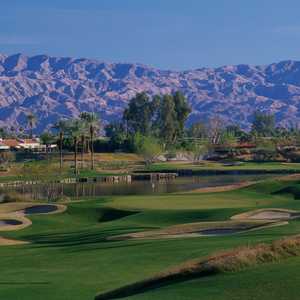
{"points": [[229, 261]]}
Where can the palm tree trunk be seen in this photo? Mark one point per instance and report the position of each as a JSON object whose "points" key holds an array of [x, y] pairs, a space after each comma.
{"points": [[75, 155], [92, 149], [61, 150], [87, 146], [82, 150]]}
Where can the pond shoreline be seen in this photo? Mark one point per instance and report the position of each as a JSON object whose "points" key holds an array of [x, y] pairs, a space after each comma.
{"points": [[152, 175]]}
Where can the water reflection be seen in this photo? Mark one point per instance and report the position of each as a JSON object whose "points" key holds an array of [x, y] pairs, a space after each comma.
{"points": [[53, 191]]}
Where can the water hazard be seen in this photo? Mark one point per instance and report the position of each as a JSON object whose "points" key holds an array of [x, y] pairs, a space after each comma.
{"points": [[52, 191]]}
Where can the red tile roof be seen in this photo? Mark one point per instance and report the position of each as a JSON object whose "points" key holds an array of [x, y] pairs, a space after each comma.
{"points": [[28, 141], [10, 142]]}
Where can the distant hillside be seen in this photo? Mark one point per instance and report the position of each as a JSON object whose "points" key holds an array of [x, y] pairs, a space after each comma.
{"points": [[56, 87]]}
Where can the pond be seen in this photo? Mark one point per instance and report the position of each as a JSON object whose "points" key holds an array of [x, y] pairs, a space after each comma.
{"points": [[52, 191]]}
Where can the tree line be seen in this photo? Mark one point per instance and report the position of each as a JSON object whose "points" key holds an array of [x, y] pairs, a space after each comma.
{"points": [[154, 125], [159, 122]]}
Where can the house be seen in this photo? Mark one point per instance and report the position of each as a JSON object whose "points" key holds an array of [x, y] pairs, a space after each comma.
{"points": [[3, 147], [30, 144], [10, 143], [33, 145]]}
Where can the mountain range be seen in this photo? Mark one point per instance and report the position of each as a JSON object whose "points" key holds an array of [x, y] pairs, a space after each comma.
{"points": [[61, 87]]}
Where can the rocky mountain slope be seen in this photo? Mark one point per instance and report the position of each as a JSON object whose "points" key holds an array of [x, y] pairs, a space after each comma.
{"points": [[61, 87]]}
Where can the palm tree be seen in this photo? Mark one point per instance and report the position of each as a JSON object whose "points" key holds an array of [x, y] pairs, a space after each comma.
{"points": [[61, 126], [47, 139], [75, 131], [83, 142], [93, 123], [31, 121]]}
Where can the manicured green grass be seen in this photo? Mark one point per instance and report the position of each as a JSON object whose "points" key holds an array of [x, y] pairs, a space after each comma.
{"points": [[271, 281], [50, 171], [69, 257], [119, 164], [205, 165]]}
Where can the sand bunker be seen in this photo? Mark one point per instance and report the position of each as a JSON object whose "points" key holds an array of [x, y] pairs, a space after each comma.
{"points": [[253, 220], [200, 229], [5, 222], [13, 216], [271, 215], [268, 214], [29, 208], [13, 221]]}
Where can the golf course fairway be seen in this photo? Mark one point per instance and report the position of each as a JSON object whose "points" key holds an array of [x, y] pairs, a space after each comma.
{"points": [[70, 255]]}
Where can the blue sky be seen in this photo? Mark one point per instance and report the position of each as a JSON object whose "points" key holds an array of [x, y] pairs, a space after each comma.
{"points": [[169, 34]]}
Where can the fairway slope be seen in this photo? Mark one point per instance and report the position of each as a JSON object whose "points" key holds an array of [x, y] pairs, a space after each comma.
{"points": [[230, 261]]}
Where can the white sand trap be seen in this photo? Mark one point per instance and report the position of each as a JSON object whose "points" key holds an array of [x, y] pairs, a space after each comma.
{"points": [[13, 221], [249, 221], [268, 214], [271, 215], [31, 208], [201, 229], [13, 216]]}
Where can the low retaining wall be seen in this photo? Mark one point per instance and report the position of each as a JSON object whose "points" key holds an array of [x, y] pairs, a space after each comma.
{"points": [[150, 175], [119, 178], [110, 179], [154, 176]]}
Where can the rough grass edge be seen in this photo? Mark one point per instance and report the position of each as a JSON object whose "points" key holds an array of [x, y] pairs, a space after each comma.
{"points": [[222, 262]]}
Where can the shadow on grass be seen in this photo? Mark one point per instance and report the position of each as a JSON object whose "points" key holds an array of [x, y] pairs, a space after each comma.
{"points": [[149, 285], [83, 240], [293, 190], [109, 214]]}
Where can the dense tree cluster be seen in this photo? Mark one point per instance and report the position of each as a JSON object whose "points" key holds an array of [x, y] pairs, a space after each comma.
{"points": [[161, 117]]}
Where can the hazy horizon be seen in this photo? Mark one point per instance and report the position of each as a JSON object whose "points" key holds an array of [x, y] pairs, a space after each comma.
{"points": [[145, 64]]}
